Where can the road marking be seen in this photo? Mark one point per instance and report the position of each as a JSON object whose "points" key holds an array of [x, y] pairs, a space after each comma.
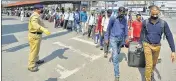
{"points": [[84, 41], [66, 73], [91, 57], [74, 50]]}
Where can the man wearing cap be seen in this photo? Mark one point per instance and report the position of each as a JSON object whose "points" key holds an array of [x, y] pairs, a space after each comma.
{"points": [[116, 33], [36, 28]]}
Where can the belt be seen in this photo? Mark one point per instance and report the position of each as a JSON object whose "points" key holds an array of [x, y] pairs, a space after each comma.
{"points": [[36, 32], [159, 44]]}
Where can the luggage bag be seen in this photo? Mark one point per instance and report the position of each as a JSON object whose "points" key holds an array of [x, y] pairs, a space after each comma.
{"points": [[136, 57]]}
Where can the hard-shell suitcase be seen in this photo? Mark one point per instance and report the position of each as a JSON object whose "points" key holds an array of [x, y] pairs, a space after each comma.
{"points": [[136, 57]]}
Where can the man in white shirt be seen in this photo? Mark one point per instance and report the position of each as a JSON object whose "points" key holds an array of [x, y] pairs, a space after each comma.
{"points": [[70, 21], [91, 23], [105, 22], [66, 16], [22, 15]]}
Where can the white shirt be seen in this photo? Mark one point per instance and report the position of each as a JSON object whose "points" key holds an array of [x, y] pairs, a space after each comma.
{"points": [[22, 13], [66, 15], [92, 20], [71, 17], [104, 23]]}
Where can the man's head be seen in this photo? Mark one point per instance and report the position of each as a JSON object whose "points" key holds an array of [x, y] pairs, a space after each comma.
{"points": [[76, 9], [121, 11], [38, 8], [154, 11], [83, 9], [109, 12], [138, 17]]}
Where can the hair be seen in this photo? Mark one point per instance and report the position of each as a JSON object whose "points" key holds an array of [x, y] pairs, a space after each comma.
{"points": [[138, 15], [109, 11], [154, 6]]}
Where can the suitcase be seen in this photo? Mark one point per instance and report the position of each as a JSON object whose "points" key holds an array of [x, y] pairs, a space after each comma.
{"points": [[136, 56]]}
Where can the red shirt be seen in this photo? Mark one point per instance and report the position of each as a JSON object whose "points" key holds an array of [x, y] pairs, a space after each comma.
{"points": [[136, 28], [99, 27]]}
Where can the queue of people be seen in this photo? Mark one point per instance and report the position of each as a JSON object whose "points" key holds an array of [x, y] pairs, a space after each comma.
{"points": [[108, 30]]}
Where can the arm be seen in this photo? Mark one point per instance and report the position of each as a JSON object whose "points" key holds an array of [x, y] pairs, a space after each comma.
{"points": [[107, 34], [34, 22], [169, 37], [142, 34], [126, 29]]}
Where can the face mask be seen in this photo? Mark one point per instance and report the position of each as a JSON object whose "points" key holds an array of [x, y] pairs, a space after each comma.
{"points": [[41, 11], [154, 17]]}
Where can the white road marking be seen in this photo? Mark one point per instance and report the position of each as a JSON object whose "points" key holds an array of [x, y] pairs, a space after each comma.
{"points": [[66, 73], [92, 57], [74, 50], [84, 41]]}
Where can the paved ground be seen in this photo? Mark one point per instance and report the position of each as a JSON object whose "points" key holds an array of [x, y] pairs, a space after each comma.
{"points": [[69, 57]]}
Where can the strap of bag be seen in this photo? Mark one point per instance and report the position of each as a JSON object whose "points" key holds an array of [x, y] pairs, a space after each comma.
{"points": [[163, 29]]}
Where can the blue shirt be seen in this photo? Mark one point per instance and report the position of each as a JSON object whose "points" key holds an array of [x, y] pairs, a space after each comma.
{"points": [[83, 16], [154, 35], [116, 28], [77, 17]]}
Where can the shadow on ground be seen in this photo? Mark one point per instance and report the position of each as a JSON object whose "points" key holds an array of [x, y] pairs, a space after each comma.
{"points": [[58, 53], [52, 79], [11, 29], [8, 39], [16, 48], [8, 19], [121, 57], [142, 72]]}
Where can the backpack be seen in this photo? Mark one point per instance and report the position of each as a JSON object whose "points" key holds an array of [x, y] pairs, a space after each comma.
{"points": [[162, 27]]}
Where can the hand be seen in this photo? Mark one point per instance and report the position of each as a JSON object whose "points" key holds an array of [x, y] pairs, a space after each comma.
{"points": [[173, 57], [45, 31]]}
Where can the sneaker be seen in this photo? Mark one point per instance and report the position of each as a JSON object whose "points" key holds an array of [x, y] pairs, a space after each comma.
{"points": [[101, 48], [35, 69], [40, 62], [105, 55], [117, 79]]}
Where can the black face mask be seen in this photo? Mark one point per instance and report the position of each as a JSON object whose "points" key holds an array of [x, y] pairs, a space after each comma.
{"points": [[154, 17]]}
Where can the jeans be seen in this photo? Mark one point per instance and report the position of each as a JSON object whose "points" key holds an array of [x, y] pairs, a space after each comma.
{"points": [[102, 39], [116, 43], [78, 27]]}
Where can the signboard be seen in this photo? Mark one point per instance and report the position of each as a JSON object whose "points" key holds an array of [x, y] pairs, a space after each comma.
{"points": [[137, 9]]}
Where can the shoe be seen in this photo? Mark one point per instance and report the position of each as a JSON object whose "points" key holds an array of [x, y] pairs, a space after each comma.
{"points": [[152, 77], [35, 69], [101, 48], [117, 79], [40, 62], [105, 55]]}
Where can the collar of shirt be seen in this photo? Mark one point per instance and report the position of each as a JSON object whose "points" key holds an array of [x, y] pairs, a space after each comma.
{"points": [[35, 13]]}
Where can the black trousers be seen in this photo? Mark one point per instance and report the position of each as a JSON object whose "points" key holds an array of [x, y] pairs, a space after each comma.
{"points": [[65, 24], [90, 30]]}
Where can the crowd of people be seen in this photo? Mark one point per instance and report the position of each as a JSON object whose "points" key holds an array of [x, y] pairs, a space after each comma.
{"points": [[112, 31], [108, 30]]}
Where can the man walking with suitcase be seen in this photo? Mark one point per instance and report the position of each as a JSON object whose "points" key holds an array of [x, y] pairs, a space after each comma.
{"points": [[151, 34], [116, 33]]}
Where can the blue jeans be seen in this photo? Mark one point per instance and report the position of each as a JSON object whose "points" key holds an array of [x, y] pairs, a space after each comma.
{"points": [[116, 43], [77, 26]]}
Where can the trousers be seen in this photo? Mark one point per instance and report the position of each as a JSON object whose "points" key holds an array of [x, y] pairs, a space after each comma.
{"points": [[151, 57], [34, 44]]}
